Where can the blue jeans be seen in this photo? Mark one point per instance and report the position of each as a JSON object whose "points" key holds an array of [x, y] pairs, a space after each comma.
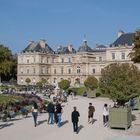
{"points": [[132, 107], [35, 114], [50, 117], [59, 119], [75, 126]]}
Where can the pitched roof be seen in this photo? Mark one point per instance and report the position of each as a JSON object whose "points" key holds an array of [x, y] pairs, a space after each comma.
{"points": [[124, 39], [36, 47], [84, 47], [46, 49], [30, 47], [100, 48], [65, 50]]}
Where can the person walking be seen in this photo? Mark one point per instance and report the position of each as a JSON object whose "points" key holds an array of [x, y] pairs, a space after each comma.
{"points": [[105, 114], [132, 103], [50, 110], [59, 114], [35, 113], [91, 110], [75, 118]]}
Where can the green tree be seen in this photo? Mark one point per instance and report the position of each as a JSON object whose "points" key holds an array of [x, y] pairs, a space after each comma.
{"points": [[120, 81], [64, 84], [135, 54], [91, 83], [6, 61], [39, 84], [44, 81]]}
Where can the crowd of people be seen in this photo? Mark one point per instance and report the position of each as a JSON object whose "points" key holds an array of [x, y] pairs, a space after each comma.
{"points": [[55, 110]]}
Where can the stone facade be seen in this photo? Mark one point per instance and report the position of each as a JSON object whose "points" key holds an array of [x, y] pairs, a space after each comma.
{"points": [[39, 61]]}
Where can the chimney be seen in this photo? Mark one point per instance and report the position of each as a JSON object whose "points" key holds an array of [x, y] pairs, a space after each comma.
{"points": [[120, 33], [70, 47], [42, 43]]}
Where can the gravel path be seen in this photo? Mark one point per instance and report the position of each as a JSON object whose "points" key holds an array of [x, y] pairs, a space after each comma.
{"points": [[23, 128]]}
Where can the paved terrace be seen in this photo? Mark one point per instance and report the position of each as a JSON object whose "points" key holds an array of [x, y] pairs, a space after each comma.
{"points": [[23, 129]]}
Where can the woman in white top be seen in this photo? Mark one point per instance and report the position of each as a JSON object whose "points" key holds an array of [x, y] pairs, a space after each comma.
{"points": [[105, 114], [35, 113]]}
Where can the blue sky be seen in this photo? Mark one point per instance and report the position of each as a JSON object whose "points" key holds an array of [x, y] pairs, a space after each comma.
{"points": [[61, 22]]}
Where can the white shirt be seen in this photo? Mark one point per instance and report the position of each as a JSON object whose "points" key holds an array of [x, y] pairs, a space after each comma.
{"points": [[34, 110], [105, 111]]}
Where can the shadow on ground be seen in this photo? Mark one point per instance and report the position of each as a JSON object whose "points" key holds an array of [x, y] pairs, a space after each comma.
{"points": [[5, 125], [133, 117], [93, 121], [64, 122], [79, 128], [41, 122]]}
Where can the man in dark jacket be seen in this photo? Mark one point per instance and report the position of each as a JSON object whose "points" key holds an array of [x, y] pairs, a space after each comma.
{"points": [[50, 110], [75, 118]]}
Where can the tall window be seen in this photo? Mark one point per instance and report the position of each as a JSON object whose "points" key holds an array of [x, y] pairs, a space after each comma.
{"points": [[47, 60], [69, 71], [62, 70], [41, 60], [62, 60], [78, 69], [21, 70], [33, 70], [93, 71], [123, 55], [100, 58], [69, 60], [52, 60], [113, 55], [54, 80], [54, 71], [21, 59], [27, 60], [27, 70], [34, 59], [42, 70], [47, 70], [69, 79]]}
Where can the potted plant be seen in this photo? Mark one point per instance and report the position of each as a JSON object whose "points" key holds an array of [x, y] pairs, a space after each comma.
{"points": [[91, 83], [120, 82]]}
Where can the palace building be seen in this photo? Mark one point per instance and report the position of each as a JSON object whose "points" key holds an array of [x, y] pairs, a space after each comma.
{"points": [[38, 60]]}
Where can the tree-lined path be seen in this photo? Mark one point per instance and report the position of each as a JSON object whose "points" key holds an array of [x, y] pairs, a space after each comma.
{"points": [[23, 129]]}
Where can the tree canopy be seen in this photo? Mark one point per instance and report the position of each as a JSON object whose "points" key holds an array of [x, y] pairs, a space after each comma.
{"points": [[7, 63], [64, 84], [91, 83], [135, 54], [120, 81]]}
